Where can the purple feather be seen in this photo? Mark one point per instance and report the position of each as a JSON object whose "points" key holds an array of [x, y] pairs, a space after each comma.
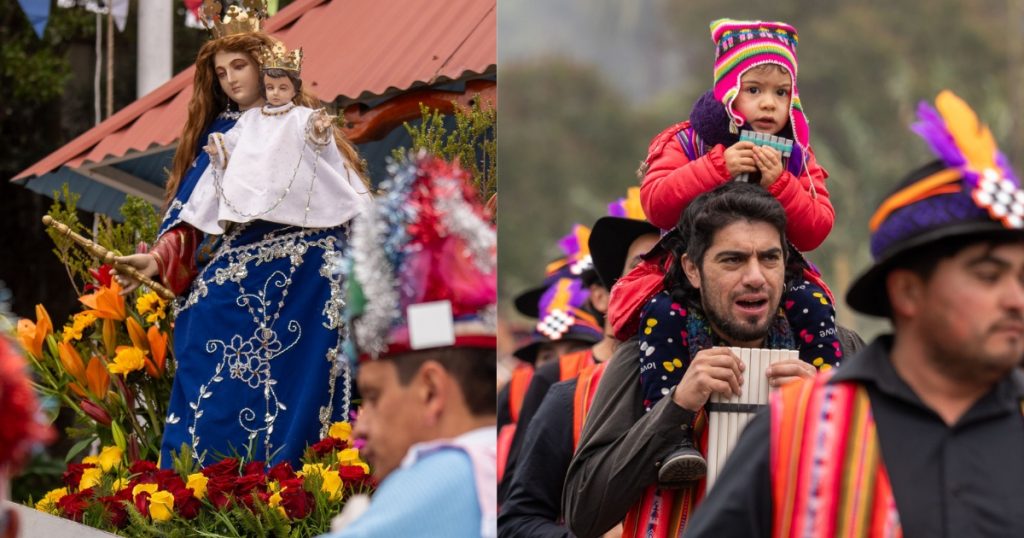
{"points": [[577, 295], [570, 244], [616, 209], [932, 128]]}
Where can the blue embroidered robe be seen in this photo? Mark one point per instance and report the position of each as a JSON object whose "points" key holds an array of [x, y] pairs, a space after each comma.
{"points": [[257, 339]]}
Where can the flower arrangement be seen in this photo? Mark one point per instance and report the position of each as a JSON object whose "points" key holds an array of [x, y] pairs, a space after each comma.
{"points": [[229, 498], [110, 363]]}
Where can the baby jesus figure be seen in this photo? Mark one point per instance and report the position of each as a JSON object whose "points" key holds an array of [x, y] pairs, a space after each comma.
{"points": [[279, 163]]}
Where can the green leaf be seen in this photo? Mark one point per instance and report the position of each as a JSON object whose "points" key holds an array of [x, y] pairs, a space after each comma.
{"points": [[119, 439], [78, 447]]}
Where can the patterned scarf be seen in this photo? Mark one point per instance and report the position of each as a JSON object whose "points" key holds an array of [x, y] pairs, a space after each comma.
{"points": [[700, 336]]}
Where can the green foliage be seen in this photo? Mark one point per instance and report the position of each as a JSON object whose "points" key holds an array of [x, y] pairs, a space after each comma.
{"points": [[76, 261], [141, 222], [472, 142]]}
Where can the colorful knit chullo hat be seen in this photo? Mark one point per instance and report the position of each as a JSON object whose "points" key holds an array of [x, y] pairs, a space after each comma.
{"points": [[741, 45]]}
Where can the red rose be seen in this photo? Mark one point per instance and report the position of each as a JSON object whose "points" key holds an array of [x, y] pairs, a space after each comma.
{"points": [[73, 506], [328, 445], [254, 467], [143, 467], [142, 502], [116, 510], [73, 475], [247, 483], [294, 482], [186, 504], [281, 471], [218, 490], [225, 467], [296, 502], [352, 474], [169, 480]]}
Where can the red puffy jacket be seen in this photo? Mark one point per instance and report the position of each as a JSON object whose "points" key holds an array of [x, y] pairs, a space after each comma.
{"points": [[672, 181]]}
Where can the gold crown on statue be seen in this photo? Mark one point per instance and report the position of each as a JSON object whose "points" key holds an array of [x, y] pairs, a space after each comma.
{"points": [[278, 57], [246, 16]]}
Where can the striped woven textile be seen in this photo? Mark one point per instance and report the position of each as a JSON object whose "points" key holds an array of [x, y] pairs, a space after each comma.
{"points": [[828, 477]]}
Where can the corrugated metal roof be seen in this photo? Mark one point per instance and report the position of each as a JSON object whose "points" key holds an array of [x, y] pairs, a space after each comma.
{"points": [[354, 50]]}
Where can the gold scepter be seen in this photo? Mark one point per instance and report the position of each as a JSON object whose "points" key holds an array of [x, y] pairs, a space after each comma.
{"points": [[107, 257]]}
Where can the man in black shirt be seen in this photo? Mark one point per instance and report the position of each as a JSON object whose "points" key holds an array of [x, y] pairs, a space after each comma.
{"points": [[936, 450]]}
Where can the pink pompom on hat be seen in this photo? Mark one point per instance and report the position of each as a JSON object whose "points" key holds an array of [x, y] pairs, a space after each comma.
{"points": [[741, 45]]}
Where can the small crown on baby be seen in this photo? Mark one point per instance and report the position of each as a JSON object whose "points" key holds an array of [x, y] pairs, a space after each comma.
{"points": [[246, 16], [279, 57]]}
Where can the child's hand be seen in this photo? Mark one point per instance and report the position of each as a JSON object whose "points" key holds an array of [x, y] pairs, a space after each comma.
{"points": [[211, 150], [769, 162], [322, 122], [739, 158]]}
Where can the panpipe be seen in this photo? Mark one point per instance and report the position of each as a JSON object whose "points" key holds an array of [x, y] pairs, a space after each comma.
{"points": [[728, 416], [780, 143]]}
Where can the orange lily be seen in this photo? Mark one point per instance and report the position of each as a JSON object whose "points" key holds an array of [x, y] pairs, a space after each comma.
{"points": [[109, 336], [158, 350], [32, 335], [97, 377], [136, 333], [105, 303], [73, 365]]}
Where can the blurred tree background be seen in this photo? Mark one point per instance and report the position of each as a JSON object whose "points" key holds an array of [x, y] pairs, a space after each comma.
{"points": [[586, 84]]}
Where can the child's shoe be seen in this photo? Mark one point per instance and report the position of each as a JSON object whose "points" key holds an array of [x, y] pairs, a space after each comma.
{"points": [[683, 466]]}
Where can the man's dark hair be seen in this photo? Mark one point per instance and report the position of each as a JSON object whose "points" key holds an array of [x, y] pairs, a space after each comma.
{"points": [[474, 369], [708, 213]]}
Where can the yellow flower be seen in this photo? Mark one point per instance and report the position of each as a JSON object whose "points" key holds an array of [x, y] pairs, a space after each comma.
{"points": [[313, 468], [331, 485], [331, 479], [109, 457], [274, 500], [341, 430], [90, 478], [197, 483], [48, 503], [151, 306], [119, 485], [139, 488], [128, 359], [79, 323], [349, 456], [161, 506]]}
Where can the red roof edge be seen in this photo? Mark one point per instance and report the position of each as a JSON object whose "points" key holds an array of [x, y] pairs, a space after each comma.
{"points": [[121, 118], [166, 91], [289, 14]]}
